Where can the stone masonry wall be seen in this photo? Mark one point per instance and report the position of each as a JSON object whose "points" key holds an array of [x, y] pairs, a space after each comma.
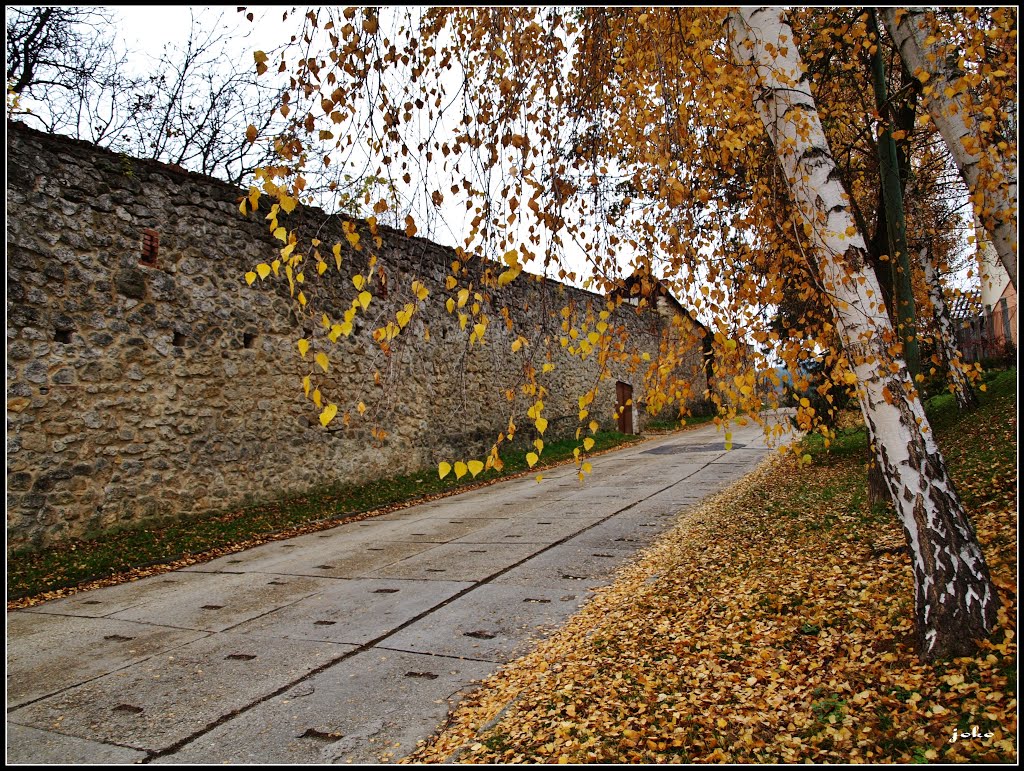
{"points": [[136, 390]]}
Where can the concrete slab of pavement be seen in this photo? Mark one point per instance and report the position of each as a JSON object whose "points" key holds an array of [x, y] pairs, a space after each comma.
{"points": [[165, 699], [376, 704]]}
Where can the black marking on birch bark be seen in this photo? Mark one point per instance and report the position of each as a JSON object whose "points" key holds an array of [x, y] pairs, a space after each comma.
{"points": [[793, 106], [855, 257]]}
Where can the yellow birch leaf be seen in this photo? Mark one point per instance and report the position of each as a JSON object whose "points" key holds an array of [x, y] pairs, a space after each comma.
{"points": [[541, 424], [358, 281], [321, 268], [364, 299], [328, 414], [250, 277], [337, 255], [443, 469], [317, 398], [450, 305], [587, 444], [275, 265], [281, 234], [531, 459], [303, 347], [460, 469], [480, 329], [539, 444], [306, 385], [587, 468], [547, 367], [593, 426], [302, 299], [263, 270], [321, 359], [475, 467], [463, 297]]}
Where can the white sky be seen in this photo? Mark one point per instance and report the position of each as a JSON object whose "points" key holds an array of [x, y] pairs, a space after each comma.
{"points": [[147, 29]]}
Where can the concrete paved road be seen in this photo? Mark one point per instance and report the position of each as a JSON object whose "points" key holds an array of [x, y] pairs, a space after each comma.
{"points": [[347, 645]]}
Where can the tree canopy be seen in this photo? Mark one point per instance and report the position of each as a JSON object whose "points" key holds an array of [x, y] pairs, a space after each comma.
{"points": [[730, 157]]}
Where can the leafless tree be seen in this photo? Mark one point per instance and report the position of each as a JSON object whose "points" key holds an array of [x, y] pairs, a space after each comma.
{"points": [[191, 108]]}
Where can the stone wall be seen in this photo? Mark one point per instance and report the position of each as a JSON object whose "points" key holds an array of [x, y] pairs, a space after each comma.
{"points": [[136, 390]]}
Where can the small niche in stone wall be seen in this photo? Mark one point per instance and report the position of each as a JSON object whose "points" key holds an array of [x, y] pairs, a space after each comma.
{"points": [[179, 340], [62, 336], [248, 339], [150, 247]]}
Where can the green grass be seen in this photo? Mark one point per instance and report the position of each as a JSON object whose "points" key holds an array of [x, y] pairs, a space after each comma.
{"points": [[941, 410], [165, 540]]}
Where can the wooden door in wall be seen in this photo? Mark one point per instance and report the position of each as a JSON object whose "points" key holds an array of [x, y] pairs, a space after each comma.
{"points": [[624, 406]]}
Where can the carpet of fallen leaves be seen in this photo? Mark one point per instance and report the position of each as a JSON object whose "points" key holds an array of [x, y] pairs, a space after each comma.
{"points": [[774, 624]]}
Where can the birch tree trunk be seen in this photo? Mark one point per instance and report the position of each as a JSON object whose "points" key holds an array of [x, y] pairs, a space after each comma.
{"points": [[955, 600], [954, 119], [966, 399]]}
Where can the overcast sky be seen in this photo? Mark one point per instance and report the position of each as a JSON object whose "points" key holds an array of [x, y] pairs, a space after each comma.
{"points": [[146, 30]]}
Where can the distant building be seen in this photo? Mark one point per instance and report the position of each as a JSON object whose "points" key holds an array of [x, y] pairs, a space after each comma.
{"points": [[986, 320]]}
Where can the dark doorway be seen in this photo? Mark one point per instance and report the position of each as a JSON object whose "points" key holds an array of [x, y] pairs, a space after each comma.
{"points": [[624, 406]]}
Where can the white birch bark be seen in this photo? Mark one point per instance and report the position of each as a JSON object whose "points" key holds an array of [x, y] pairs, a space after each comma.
{"points": [[995, 180], [962, 390], [955, 600]]}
